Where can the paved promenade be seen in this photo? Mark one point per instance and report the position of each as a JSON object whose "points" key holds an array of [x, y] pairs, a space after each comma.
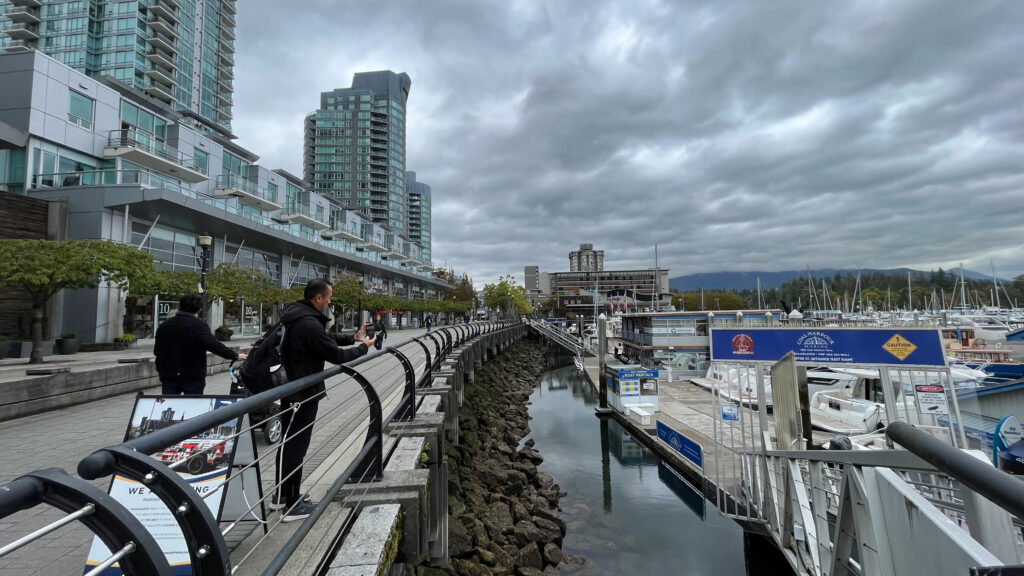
{"points": [[63, 437]]}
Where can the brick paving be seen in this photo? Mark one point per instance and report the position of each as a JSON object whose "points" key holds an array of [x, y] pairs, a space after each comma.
{"points": [[61, 438]]}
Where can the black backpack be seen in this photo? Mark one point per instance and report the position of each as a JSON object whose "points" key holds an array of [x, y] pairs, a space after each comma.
{"points": [[263, 368]]}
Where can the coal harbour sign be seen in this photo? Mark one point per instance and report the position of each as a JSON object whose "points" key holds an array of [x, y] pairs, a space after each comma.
{"points": [[814, 346]]}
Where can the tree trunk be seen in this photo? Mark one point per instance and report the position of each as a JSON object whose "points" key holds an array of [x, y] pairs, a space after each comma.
{"points": [[37, 336]]}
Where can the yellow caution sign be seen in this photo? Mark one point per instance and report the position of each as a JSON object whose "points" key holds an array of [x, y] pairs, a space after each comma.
{"points": [[899, 347]]}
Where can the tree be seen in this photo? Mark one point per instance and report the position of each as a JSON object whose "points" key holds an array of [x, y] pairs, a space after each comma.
{"points": [[508, 296], [233, 281], [45, 267], [464, 291], [348, 290], [169, 282]]}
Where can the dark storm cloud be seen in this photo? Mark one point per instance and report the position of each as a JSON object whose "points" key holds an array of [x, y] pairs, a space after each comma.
{"points": [[735, 135]]}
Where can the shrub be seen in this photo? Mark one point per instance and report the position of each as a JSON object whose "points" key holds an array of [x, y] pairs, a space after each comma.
{"points": [[224, 330], [127, 338], [68, 335], [3, 338]]}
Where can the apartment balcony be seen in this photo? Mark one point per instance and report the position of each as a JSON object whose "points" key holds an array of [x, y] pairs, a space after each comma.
{"points": [[226, 72], [160, 74], [161, 41], [226, 58], [159, 91], [172, 3], [234, 186], [300, 215], [371, 245], [160, 57], [343, 233], [227, 45], [229, 6], [224, 98], [20, 46], [29, 3], [227, 31], [227, 19], [141, 148], [224, 114], [162, 25], [24, 14], [225, 84], [22, 31], [164, 10]]}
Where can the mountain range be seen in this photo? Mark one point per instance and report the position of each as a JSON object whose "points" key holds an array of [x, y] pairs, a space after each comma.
{"points": [[769, 280]]}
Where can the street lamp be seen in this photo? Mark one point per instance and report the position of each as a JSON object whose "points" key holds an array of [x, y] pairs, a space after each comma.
{"points": [[204, 242]]}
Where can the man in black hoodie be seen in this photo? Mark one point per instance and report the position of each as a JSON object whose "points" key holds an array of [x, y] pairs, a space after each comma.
{"points": [[181, 345], [307, 345]]}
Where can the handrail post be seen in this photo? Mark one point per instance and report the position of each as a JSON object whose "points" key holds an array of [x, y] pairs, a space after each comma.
{"points": [[370, 466], [439, 349], [425, 380], [110, 520], [406, 408]]}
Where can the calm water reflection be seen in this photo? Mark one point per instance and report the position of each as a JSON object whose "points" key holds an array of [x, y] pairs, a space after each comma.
{"points": [[626, 512]]}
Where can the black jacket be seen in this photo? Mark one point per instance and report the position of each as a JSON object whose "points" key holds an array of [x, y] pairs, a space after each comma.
{"points": [[181, 345], [307, 345]]}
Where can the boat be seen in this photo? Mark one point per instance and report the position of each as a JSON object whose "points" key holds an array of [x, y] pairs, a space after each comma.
{"points": [[842, 412], [993, 361]]}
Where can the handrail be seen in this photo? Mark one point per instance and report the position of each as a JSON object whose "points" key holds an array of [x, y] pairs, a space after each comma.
{"points": [[992, 483]]}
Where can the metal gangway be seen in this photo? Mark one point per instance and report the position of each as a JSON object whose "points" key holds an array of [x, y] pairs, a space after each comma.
{"points": [[570, 342], [373, 402], [909, 498]]}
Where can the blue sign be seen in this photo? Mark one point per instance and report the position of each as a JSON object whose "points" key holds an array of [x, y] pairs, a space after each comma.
{"points": [[730, 412], [688, 448], [631, 373], [893, 346]]}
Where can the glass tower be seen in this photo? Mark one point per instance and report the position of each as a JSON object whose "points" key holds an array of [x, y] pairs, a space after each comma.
{"points": [[180, 52], [418, 211], [354, 150]]}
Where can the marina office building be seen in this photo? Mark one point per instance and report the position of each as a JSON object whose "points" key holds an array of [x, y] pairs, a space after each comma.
{"points": [[131, 168]]}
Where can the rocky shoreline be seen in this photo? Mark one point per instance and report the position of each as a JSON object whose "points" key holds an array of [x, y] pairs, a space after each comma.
{"points": [[502, 510]]}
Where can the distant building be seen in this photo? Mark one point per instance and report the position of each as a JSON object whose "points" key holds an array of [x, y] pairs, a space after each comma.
{"points": [[418, 211], [586, 259]]}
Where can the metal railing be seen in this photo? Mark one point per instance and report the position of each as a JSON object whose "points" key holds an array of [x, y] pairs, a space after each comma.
{"points": [[413, 362], [569, 341], [132, 138]]}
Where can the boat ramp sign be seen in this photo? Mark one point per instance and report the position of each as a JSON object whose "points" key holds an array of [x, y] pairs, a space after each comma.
{"points": [[888, 346], [931, 399]]}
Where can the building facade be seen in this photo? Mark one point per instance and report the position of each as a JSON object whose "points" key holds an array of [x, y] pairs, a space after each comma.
{"points": [[354, 151], [132, 169], [179, 52], [418, 211], [586, 259]]}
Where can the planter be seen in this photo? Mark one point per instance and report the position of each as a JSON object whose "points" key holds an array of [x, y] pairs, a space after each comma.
{"points": [[68, 345], [222, 336], [5, 349]]}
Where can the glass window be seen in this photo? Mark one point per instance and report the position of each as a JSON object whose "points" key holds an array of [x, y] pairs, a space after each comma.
{"points": [[79, 109], [202, 161]]}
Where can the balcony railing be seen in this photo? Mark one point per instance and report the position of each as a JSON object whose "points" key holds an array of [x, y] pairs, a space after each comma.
{"points": [[300, 214], [142, 148], [247, 192]]}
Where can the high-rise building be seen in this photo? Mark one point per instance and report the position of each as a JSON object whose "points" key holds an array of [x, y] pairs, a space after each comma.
{"points": [[354, 149], [418, 212], [586, 259], [180, 52]]}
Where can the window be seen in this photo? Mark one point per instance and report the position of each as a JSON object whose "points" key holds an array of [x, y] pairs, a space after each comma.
{"points": [[202, 161], [79, 109]]}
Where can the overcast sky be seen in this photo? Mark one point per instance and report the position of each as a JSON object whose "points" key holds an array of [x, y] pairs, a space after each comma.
{"points": [[734, 135]]}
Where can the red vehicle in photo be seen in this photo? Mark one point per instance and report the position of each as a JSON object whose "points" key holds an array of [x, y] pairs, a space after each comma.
{"points": [[201, 454]]}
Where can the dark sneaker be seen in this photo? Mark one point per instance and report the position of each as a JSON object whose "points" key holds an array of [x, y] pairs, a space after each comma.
{"points": [[300, 511], [277, 504]]}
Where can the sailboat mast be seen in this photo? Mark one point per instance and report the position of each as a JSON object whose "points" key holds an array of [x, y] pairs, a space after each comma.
{"points": [[963, 291], [995, 284], [910, 294]]}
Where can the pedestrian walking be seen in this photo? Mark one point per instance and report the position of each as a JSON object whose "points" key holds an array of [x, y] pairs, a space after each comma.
{"points": [[428, 321], [380, 326], [182, 342], [465, 318], [307, 345]]}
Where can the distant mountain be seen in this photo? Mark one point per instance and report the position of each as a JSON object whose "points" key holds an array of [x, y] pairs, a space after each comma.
{"points": [[769, 280]]}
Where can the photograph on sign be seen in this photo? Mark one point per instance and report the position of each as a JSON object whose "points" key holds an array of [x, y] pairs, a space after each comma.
{"points": [[204, 461], [931, 399]]}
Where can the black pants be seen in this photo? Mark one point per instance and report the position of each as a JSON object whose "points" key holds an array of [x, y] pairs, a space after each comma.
{"points": [[293, 451], [171, 388]]}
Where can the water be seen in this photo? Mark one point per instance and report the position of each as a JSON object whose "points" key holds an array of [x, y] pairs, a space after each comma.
{"points": [[627, 513]]}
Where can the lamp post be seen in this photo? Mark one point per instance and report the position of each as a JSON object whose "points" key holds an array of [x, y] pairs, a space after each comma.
{"points": [[204, 243]]}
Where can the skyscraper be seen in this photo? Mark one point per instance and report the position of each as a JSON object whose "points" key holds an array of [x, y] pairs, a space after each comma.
{"points": [[586, 259], [419, 213], [354, 149], [180, 52]]}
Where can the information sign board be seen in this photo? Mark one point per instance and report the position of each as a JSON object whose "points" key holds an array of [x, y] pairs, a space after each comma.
{"points": [[815, 346], [681, 444]]}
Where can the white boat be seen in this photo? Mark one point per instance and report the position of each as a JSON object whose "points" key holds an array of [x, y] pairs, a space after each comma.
{"points": [[841, 412]]}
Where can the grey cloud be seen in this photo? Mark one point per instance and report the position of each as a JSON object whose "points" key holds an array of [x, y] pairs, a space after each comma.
{"points": [[732, 134]]}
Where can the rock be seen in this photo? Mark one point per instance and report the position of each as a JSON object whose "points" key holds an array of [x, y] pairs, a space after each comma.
{"points": [[459, 542], [551, 530], [529, 556], [527, 532], [529, 443], [468, 568], [551, 516], [499, 516], [488, 557], [552, 554], [519, 511], [527, 571], [545, 481]]}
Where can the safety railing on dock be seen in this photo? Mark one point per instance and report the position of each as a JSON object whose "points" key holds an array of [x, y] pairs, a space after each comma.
{"points": [[393, 372], [570, 342]]}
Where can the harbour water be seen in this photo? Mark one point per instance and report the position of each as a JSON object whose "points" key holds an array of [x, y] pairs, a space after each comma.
{"points": [[626, 512]]}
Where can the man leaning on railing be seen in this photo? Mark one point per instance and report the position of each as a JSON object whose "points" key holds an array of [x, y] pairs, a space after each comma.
{"points": [[307, 345]]}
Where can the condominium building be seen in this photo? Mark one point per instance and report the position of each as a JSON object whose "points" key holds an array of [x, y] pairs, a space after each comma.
{"points": [[178, 52], [116, 164], [418, 211], [586, 259], [354, 151]]}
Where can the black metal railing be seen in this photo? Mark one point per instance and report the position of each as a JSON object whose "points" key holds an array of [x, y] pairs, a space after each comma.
{"points": [[133, 547]]}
